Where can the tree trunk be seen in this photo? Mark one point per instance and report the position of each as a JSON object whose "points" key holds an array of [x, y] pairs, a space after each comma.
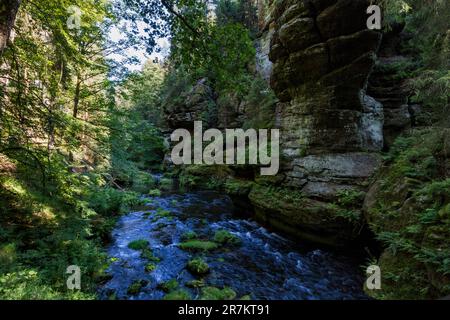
{"points": [[8, 12], [76, 99]]}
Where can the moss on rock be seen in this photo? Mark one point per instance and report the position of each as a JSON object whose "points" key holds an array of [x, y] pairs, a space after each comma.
{"points": [[178, 295], [138, 244], [291, 212], [213, 293], [198, 245], [197, 266]]}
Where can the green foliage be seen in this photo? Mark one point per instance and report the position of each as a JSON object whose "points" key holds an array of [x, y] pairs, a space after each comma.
{"points": [[109, 201], [154, 193], [213, 293], [219, 51], [197, 266], [166, 184], [409, 216], [238, 11], [27, 285], [348, 206], [260, 104], [428, 20]]}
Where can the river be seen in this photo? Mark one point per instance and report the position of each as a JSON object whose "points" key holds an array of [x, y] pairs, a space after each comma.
{"points": [[264, 265]]}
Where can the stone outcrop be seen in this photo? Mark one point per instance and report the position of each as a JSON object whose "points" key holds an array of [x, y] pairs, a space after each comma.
{"points": [[198, 104], [331, 130], [389, 85]]}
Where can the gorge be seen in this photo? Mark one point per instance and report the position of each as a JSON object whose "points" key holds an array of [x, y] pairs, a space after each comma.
{"points": [[351, 168]]}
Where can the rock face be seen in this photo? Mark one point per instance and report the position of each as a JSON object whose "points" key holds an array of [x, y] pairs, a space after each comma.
{"points": [[389, 85], [331, 130], [198, 104]]}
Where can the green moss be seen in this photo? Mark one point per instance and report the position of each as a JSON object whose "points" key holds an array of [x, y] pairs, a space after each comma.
{"points": [[168, 286], [178, 295], [198, 245], [190, 235], [225, 237], [195, 283], [161, 213], [148, 255], [150, 267], [138, 244], [238, 187], [213, 293], [197, 266], [136, 287]]}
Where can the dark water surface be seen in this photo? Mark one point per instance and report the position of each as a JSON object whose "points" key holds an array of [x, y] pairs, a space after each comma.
{"points": [[265, 265]]}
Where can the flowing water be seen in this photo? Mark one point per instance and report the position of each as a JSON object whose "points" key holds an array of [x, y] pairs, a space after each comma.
{"points": [[265, 265]]}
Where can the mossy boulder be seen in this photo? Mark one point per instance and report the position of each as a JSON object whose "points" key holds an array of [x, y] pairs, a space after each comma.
{"points": [[178, 295], [168, 286], [136, 287], [195, 283], [224, 237], [189, 235], [149, 267], [197, 266], [198, 245], [213, 293], [148, 255], [138, 244]]}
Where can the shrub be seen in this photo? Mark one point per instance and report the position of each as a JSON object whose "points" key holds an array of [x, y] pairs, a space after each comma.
{"points": [[154, 193]]}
